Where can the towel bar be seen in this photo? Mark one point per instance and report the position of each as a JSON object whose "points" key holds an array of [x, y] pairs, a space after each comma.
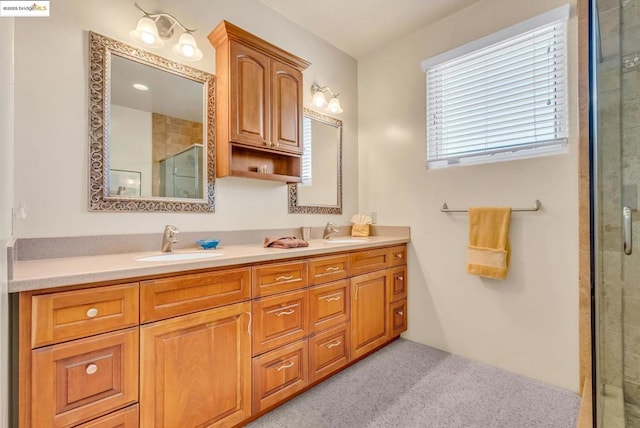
{"points": [[536, 207]]}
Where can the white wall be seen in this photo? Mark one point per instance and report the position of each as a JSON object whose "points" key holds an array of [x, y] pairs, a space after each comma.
{"points": [[51, 117], [6, 200], [131, 145], [529, 322]]}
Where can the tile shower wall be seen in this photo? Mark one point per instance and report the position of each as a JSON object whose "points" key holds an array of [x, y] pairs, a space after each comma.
{"points": [[170, 135]]}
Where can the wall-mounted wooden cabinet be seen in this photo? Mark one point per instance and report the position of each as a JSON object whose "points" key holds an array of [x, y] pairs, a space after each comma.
{"points": [[258, 107]]}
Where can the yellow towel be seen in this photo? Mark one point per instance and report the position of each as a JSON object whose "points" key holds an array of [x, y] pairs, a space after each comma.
{"points": [[488, 251]]}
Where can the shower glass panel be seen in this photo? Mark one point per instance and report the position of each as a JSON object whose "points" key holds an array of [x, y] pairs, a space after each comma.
{"points": [[615, 95]]}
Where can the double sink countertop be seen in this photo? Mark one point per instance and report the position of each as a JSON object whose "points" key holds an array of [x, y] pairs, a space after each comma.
{"points": [[45, 273]]}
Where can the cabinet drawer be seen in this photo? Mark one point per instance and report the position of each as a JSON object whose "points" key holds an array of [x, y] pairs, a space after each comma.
{"points": [[328, 305], [327, 269], [398, 255], [80, 380], [397, 283], [397, 317], [67, 315], [368, 261], [125, 418], [168, 297], [280, 277], [279, 374], [329, 351], [278, 320]]}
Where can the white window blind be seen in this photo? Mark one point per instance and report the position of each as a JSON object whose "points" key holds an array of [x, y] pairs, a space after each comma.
{"points": [[306, 159], [505, 99]]}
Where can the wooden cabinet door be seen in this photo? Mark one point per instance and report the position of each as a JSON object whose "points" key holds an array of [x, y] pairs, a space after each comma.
{"points": [[328, 305], [286, 107], [397, 283], [279, 374], [195, 369], [279, 320], [77, 381], [397, 318], [66, 315], [369, 309], [329, 351], [249, 96], [125, 418]]}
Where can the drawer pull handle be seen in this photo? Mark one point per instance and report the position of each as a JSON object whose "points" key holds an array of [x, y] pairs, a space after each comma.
{"points": [[331, 299], [285, 366], [332, 344], [398, 255], [401, 313], [91, 313], [400, 278], [91, 369], [289, 312], [284, 278], [249, 324], [332, 268]]}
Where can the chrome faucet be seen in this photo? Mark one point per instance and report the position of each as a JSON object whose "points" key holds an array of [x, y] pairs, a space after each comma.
{"points": [[169, 238], [329, 229]]}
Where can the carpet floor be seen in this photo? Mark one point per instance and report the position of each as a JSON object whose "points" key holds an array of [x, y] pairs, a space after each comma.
{"points": [[409, 385]]}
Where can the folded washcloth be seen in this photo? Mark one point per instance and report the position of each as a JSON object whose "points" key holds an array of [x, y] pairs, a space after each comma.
{"points": [[488, 251], [286, 242]]}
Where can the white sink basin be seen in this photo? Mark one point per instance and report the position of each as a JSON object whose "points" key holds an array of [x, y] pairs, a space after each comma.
{"points": [[346, 240], [171, 257]]}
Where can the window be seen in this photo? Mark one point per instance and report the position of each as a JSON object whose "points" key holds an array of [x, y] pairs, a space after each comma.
{"points": [[306, 160], [501, 97]]}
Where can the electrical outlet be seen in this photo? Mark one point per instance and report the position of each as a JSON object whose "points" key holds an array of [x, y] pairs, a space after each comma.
{"points": [[374, 217]]}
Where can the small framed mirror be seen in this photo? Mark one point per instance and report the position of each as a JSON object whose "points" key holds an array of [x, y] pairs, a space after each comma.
{"points": [[152, 144], [320, 191]]}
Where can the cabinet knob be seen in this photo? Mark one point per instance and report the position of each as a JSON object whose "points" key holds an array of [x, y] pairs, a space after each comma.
{"points": [[400, 278], [401, 313], [398, 255], [91, 313], [91, 369]]}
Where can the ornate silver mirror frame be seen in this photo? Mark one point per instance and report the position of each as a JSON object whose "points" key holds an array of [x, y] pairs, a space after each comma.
{"points": [[294, 192], [100, 50]]}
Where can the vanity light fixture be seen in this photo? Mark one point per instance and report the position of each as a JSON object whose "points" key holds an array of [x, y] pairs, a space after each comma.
{"points": [[154, 28], [319, 100]]}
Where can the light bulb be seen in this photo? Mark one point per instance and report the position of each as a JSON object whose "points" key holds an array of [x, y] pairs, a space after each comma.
{"points": [[318, 99], [146, 32], [187, 48], [334, 105]]}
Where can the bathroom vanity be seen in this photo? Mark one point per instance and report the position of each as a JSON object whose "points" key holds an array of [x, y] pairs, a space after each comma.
{"points": [[213, 342]]}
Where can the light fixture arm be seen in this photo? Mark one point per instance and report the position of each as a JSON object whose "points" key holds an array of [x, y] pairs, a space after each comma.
{"points": [[156, 16], [324, 89]]}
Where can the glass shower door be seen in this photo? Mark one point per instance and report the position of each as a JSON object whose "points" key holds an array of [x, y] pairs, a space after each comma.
{"points": [[616, 140]]}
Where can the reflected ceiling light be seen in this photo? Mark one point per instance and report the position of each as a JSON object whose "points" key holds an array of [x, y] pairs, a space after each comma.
{"points": [[141, 87], [319, 100], [154, 28]]}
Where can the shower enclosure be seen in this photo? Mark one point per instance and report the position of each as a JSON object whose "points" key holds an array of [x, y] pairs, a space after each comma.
{"points": [[615, 136]]}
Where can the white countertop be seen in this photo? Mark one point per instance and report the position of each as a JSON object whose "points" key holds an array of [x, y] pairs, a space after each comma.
{"points": [[48, 273]]}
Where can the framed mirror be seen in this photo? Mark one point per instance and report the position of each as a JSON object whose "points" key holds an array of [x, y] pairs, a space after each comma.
{"points": [[152, 135], [320, 191]]}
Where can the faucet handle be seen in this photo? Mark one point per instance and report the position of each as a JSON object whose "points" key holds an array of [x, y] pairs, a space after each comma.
{"points": [[172, 230]]}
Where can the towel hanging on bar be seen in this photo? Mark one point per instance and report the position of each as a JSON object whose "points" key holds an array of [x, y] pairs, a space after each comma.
{"points": [[536, 207]]}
